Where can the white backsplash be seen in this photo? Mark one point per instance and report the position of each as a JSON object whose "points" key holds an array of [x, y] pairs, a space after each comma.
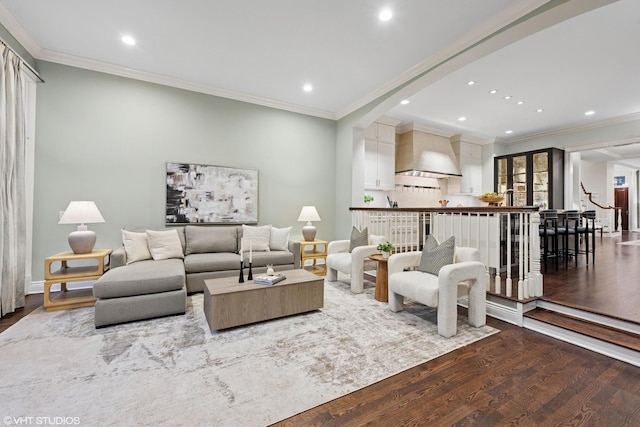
{"points": [[415, 192]]}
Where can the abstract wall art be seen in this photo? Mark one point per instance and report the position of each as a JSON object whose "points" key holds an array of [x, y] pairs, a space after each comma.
{"points": [[205, 194]]}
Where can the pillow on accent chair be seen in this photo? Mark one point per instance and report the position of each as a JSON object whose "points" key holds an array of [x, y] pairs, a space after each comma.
{"points": [[435, 256], [164, 244], [358, 238], [279, 239], [135, 246], [257, 237]]}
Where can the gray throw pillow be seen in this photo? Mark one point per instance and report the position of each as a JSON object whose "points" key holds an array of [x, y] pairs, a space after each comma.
{"points": [[435, 256], [358, 238]]}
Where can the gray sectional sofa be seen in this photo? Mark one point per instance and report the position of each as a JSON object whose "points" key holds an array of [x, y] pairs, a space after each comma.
{"points": [[150, 288]]}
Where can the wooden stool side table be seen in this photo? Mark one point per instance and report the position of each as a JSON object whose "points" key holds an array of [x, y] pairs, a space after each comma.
{"points": [[318, 252], [100, 262], [382, 277]]}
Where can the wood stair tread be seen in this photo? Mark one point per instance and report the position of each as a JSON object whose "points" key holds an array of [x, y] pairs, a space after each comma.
{"points": [[605, 333]]}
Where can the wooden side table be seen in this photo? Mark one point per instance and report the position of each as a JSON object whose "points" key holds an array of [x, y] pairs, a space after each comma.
{"points": [[99, 263], [318, 251], [382, 277]]}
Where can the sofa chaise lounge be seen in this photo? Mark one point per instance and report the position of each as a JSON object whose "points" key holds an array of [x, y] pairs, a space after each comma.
{"points": [[143, 285]]}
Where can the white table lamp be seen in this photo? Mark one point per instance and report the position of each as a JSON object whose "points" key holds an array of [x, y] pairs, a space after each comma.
{"points": [[82, 240], [308, 214]]}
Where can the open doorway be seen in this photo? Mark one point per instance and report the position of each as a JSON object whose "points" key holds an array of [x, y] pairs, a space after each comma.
{"points": [[621, 202]]}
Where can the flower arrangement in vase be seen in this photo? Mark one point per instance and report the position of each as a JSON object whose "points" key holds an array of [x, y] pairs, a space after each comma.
{"points": [[368, 199], [385, 248]]}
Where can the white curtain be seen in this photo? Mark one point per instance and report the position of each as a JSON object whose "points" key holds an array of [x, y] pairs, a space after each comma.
{"points": [[12, 183]]}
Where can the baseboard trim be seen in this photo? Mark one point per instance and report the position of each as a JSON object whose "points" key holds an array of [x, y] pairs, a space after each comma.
{"points": [[591, 317], [511, 315], [611, 350]]}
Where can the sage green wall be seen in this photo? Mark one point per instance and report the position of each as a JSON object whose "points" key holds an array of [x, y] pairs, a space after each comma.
{"points": [[106, 138]]}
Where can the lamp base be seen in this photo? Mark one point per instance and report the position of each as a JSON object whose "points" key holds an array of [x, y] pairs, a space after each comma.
{"points": [[82, 241], [309, 233]]}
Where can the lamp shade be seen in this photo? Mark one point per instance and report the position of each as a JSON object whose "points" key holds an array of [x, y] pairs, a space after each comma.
{"points": [[82, 240], [82, 212], [308, 214]]}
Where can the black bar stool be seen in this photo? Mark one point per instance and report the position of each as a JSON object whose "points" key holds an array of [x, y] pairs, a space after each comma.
{"points": [[550, 231], [575, 229], [589, 234]]}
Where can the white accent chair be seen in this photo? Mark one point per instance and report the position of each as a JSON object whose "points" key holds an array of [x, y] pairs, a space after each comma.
{"points": [[354, 264], [465, 277]]}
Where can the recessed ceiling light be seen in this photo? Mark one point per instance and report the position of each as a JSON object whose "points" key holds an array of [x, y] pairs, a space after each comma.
{"points": [[508, 132], [128, 40], [520, 102], [462, 119], [404, 102], [539, 110], [507, 97], [471, 82], [385, 15], [589, 113], [307, 88], [493, 91]]}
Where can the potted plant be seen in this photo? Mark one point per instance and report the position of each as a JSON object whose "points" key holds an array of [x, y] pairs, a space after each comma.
{"points": [[368, 199], [385, 248]]}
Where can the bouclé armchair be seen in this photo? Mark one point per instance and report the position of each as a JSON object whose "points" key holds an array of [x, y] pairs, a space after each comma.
{"points": [[354, 263], [466, 276]]}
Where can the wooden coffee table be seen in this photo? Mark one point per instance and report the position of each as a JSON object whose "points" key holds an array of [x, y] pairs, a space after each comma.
{"points": [[228, 303]]}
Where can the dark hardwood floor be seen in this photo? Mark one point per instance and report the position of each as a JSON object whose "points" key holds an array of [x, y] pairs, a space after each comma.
{"points": [[611, 286], [516, 377], [31, 303]]}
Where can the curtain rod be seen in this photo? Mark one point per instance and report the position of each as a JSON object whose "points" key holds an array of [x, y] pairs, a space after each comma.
{"points": [[35, 73]]}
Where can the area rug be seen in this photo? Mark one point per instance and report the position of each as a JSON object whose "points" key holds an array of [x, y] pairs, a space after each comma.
{"points": [[175, 371]]}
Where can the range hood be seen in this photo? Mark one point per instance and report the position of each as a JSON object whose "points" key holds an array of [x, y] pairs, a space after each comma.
{"points": [[425, 155]]}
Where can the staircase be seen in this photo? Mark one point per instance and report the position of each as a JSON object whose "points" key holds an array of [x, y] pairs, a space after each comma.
{"points": [[615, 338]]}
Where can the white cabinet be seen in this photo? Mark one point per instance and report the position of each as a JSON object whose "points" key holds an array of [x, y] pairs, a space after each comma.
{"points": [[469, 158], [379, 157]]}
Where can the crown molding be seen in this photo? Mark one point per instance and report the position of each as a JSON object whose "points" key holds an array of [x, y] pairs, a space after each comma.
{"points": [[421, 127], [18, 32], [23, 37], [471, 139], [390, 121], [470, 38], [580, 128], [117, 70]]}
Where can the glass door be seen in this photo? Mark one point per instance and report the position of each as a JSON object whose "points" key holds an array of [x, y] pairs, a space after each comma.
{"points": [[503, 176], [519, 173], [541, 180]]}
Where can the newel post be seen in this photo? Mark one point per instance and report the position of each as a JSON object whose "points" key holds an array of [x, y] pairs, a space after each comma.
{"points": [[534, 255]]}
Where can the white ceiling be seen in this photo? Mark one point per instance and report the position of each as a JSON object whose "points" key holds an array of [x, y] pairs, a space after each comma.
{"points": [[265, 51]]}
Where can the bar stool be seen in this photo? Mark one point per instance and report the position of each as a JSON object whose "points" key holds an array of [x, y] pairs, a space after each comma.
{"points": [[575, 229], [550, 231], [589, 231]]}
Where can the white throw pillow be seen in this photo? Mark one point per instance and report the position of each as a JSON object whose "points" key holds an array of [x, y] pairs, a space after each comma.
{"points": [[255, 238], [135, 246], [279, 240], [164, 244]]}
